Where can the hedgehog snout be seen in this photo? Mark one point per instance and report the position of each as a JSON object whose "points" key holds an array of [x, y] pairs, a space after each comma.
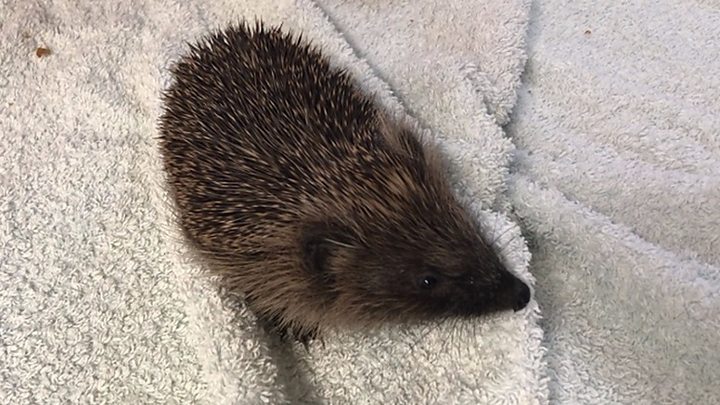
{"points": [[515, 291], [522, 295]]}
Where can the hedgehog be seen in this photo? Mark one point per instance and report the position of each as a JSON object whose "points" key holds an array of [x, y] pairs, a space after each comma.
{"points": [[311, 201]]}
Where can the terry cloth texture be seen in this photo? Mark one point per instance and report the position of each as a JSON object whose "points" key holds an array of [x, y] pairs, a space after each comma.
{"points": [[618, 182], [100, 300]]}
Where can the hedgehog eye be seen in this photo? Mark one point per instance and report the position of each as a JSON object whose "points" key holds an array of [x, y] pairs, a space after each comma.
{"points": [[428, 282]]}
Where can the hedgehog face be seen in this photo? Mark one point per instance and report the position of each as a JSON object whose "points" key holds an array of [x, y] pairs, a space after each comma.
{"points": [[463, 281], [389, 276]]}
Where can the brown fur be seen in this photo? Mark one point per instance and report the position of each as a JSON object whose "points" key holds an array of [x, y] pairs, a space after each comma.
{"points": [[310, 200]]}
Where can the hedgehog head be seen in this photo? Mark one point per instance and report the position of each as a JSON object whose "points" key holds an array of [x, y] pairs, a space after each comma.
{"points": [[404, 247]]}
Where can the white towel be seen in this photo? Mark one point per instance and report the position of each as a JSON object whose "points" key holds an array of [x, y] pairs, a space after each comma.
{"points": [[618, 182], [99, 302]]}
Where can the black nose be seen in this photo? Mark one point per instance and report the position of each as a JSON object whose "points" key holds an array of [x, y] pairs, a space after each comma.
{"points": [[522, 295]]}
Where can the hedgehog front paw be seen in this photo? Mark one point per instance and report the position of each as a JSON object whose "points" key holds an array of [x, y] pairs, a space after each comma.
{"points": [[306, 337], [287, 333]]}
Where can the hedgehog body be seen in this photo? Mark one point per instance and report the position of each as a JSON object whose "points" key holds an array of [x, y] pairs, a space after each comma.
{"points": [[310, 200]]}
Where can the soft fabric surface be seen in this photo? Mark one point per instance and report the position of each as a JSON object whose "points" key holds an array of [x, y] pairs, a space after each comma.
{"points": [[102, 303], [615, 180], [618, 183]]}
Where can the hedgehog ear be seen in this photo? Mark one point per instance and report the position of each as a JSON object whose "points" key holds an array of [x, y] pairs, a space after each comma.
{"points": [[319, 242]]}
